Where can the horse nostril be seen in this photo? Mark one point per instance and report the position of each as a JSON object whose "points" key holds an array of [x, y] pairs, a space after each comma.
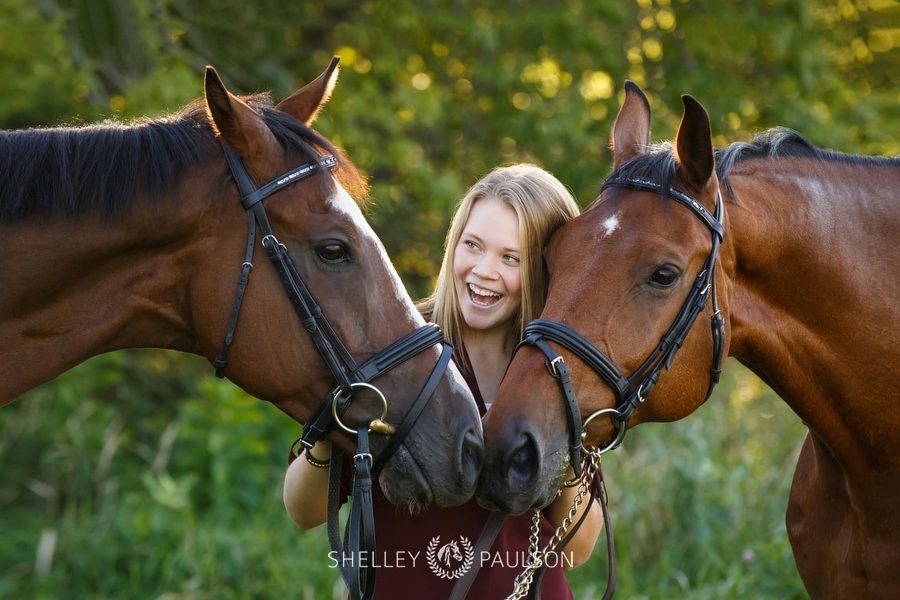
{"points": [[471, 457], [523, 465]]}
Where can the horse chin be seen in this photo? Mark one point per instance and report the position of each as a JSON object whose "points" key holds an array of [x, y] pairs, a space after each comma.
{"points": [[404, 483]]}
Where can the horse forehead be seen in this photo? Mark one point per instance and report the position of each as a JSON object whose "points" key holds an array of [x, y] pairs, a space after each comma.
{"points": [[636, 214], [597, 241], [341, 202], [579, 240], [609, 225]]}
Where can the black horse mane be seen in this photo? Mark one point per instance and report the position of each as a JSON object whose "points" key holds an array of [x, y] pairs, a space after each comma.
{"points": [[98, 168], [659, 164]]}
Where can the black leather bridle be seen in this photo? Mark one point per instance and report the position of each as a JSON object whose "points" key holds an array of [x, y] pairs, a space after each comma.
{"points": [[633, 389], [347, 374]]}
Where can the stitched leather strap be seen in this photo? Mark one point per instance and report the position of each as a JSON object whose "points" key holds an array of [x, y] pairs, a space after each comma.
{"points": [[415, 410], [358, 544], [246, 268], [558, 369]]}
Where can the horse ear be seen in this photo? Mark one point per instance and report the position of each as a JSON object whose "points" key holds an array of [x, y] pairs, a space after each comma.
{"points": [[694, 144], [241, 127], [631, 131], [305, 103]]}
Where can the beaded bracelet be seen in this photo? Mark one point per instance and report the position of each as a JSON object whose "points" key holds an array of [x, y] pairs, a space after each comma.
{"points": [[319, 464]]}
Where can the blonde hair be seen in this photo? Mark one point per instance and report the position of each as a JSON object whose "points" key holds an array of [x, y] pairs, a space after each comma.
{"points": [[542, 205]]}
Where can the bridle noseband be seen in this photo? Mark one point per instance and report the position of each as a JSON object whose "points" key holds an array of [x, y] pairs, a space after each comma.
{"points": [[344, 370], [633, 389]]}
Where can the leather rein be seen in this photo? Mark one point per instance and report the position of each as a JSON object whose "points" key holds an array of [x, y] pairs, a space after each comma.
{"points": [[349, 376], [631, 390]]}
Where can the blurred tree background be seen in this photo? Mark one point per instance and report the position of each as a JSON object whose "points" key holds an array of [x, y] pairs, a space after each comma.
{"points": [[138, 475]]}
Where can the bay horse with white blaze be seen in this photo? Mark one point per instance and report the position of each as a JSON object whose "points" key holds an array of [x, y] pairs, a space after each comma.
{"points": [[790, 253], [125, 236]]}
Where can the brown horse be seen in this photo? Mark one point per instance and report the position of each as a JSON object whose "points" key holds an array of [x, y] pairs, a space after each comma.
{"points": [[806, 288], [132, 236]]}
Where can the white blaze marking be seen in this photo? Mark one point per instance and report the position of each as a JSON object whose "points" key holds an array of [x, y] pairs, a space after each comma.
{"points": [[610, 225], [342, 202]]}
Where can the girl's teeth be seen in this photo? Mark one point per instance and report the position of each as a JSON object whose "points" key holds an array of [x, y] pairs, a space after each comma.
{"points": [[482, 297], [482, 292]]}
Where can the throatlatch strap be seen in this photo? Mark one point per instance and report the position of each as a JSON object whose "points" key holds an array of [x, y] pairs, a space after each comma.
{"points": [[246, 268]]}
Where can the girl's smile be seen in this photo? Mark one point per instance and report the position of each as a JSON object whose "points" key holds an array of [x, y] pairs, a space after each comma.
{"points": [[487, 277]]}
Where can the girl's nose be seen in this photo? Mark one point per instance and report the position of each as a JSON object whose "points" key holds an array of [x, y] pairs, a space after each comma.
{"points": [[485, 268]]}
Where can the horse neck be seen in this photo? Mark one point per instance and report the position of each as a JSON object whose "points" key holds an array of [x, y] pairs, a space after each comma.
{"points": [[83, 286], [811, 301]]}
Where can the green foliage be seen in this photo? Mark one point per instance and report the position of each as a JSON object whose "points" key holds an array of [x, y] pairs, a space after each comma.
{"points": [[142, 491], [698, 506], [139, 475], [432, 96]]}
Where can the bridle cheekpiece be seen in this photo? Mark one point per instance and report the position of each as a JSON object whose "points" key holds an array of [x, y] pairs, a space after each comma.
{"points": [[344, 370]]}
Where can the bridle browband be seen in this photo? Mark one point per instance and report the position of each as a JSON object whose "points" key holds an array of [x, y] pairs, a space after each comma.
{"points": [[344, 370], [633, 389]]}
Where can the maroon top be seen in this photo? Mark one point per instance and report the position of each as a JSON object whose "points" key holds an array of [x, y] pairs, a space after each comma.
{"points": [[422, 555]]}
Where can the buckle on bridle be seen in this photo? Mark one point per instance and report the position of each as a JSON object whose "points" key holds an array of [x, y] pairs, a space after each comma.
{"points": [[551, 366], [363, 455]]}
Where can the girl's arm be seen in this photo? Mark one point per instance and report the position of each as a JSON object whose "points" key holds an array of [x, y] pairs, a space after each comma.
{"points": [[582, 543], [306, 487]]}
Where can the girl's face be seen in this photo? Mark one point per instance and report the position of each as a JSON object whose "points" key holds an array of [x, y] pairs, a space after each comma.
{"points": [[486, 271]]}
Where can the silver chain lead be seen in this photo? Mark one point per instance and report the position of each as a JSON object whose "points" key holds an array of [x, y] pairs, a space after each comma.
{"points": [[522, 583]]}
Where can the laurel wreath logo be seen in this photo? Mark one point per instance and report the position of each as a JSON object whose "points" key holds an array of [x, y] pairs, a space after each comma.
{"points": [[439, 555]]}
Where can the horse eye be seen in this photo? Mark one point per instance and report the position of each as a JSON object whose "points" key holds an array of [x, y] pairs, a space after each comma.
{"points": [[333, 253], [664, 276]]}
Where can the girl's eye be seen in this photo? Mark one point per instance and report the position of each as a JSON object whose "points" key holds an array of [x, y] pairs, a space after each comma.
{"points": [[333, 253], [664, 276], [511, 259], [470, 245]]}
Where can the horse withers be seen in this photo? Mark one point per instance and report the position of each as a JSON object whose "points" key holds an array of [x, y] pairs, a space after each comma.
{"points": [[775, 252], [123, 236]]}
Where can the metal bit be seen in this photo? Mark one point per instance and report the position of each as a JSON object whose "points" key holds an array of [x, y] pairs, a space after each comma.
{"points": [[379, 426]]}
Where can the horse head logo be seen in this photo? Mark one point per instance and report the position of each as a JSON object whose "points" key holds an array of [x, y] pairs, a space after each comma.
{"points": [[448, 551], [450, 560]]}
